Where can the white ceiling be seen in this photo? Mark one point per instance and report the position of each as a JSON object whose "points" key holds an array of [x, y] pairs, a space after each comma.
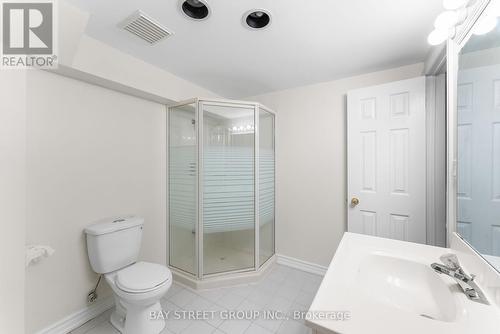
{"points": [[308, 41]]}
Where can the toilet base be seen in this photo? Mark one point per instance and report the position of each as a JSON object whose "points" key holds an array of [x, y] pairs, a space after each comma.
{"points": [[117, 318], [138, 320], [117, 322]]}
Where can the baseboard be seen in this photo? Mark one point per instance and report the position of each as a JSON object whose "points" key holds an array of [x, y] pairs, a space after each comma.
{"points": [[309, 267], [75, 320]]}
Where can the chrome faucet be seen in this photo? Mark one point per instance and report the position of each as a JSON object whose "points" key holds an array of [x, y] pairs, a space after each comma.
{"points": [[451, 267]]}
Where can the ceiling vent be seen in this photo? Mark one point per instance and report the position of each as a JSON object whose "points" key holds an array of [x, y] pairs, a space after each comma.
{"points": [[145, 28]]}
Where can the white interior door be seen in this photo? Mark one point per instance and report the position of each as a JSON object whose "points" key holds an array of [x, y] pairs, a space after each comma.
{"points": [[478, 138], [387, 160]]}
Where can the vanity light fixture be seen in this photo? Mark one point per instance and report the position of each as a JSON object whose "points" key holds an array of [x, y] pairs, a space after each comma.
{"points": [[485, 24], [257, 18], [437, 36], [450, 18], [242, 129], [456, 13], [195, 9], [495, 8], [489, 20], [445, 23]]}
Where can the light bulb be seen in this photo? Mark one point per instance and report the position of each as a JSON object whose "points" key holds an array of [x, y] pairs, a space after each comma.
{"points": [[485, 24], [494, 8], [455, 4], [235, 128], [447, 19], [437, 36]]}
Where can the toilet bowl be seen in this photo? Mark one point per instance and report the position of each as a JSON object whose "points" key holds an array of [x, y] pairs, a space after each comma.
{"points": [[113, 247]]}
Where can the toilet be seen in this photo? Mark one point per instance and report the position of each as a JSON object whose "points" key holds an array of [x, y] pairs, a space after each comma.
{"points": [[113, 246]]}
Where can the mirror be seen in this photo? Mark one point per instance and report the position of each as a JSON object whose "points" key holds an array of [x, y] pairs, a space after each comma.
{"points": [[478, 144]]}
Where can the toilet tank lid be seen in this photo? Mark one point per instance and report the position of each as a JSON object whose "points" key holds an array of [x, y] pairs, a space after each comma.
{"points": [[113, 224]]}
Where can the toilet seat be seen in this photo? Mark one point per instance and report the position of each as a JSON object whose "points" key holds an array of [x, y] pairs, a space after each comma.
{"points": [[142, 277]]}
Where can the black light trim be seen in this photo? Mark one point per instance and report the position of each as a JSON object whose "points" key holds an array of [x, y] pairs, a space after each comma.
{"points": [[195, 9], [258, 19]]}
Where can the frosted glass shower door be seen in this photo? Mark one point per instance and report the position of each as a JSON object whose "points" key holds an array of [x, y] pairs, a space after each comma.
{"points": [[182, 188], [266, 185], [228, 199]]}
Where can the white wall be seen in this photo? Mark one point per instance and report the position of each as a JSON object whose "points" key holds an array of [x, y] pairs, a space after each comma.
{"points": [[311, 162], [96, 58], [91, 153], [12, 199]]}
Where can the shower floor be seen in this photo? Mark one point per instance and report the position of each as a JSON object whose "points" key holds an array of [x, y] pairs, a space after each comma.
{"points": [[222, 251], [219, 258]]}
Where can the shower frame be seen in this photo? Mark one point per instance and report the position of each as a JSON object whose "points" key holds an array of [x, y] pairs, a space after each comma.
{"points": [[239, 274]]}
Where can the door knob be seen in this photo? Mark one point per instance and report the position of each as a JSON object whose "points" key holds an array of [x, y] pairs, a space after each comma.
{"points": [[354, 201]]}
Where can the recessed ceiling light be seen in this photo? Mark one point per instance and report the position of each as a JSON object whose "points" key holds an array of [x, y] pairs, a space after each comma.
{"points": [[195, 9], [257, 18]]}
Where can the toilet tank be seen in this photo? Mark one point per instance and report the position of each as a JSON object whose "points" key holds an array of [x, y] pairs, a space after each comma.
{"points": [[114, 243]]}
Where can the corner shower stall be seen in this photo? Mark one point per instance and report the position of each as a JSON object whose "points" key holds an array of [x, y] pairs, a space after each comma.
{"points": [[221, 187]]}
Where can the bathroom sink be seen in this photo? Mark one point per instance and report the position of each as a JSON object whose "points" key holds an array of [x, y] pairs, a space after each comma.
{"points": [[407, 285], [388, 286]]}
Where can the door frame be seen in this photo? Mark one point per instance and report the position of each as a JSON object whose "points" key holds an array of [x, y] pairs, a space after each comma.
{"points": [[435, 105]]}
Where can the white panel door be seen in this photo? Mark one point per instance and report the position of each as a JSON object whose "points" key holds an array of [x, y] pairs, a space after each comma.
{"points": [[478, 136], [386, 160]]}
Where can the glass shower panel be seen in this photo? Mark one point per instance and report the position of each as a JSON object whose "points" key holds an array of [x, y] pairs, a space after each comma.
{"points": [[228, 188], [183, 187], [266, 185]]}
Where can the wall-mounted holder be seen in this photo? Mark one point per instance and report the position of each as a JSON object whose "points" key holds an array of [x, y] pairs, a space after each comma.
{"points": [[34, 253]]}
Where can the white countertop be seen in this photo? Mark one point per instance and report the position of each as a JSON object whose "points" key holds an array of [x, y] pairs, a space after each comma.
{"points": [[387, 286]]}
